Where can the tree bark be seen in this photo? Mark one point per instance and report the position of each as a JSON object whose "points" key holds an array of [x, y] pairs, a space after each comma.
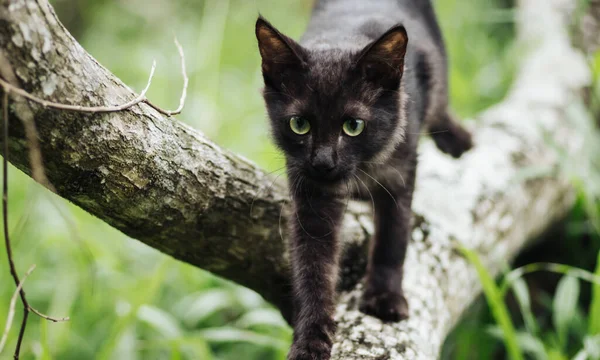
{"points": [[163, 183]]}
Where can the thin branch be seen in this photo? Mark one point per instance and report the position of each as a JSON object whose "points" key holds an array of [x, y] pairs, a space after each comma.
{"points": [[78, 108], [8, 87], [11, 309], [104, 109], [184, 90], [11, 263], [36, 160], [49, 318]]}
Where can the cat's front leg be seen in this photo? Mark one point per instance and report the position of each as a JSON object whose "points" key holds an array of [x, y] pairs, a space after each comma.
{"points": [[383, 296], [314, 257]]}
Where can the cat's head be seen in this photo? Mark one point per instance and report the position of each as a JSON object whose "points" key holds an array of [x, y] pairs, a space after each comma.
{"points": [[333, 110]]}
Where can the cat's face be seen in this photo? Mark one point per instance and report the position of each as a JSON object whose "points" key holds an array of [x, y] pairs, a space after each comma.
{"points": [[332, 110]]}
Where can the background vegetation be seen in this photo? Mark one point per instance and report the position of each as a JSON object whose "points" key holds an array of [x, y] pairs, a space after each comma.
{"points": [[127, 301]]}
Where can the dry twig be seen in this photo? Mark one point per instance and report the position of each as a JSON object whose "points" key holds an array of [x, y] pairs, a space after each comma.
{"points": [[11, 309], [184, 90], [87, 109], [19, 283], [104, 109], [11, 263]]}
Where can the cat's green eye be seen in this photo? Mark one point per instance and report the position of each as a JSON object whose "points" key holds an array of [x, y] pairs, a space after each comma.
{"points": [[353, 127], [299, 125]]}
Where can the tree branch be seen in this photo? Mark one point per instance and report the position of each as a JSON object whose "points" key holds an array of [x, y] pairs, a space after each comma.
{"points": [[165, 184]]}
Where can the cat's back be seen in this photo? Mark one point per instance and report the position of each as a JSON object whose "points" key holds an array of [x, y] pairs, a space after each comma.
{"points": [[352, 24]]}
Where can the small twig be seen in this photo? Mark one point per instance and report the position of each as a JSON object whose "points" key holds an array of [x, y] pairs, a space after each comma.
{"points": [[87, 109], [8, 87], [11, 308], [11, 264], [49, 318], [184, 90]]}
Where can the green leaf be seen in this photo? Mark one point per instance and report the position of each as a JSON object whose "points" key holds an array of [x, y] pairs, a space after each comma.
{"points": [[591, 346], [193, 309], [591, 349], [556, 355], [594, 322], [527, 342], [175, 352], [126, 346], [268, 317], [565, 306], [233, 335], [159, 320], [496, 304], [521, 292]]}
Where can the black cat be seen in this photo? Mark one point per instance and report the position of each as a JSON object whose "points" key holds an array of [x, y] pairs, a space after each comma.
{"points": [[346, 106]]}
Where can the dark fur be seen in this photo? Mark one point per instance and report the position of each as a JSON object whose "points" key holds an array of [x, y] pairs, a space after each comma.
{"points": [[354, 61]]}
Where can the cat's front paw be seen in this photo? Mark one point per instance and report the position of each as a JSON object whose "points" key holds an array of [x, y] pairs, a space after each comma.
{"points": [[315, 349], [387, 306]]}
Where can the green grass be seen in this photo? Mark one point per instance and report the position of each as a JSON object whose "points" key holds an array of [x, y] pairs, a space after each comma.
{"points": [[571, 334], [573, 331], [497, 306]]}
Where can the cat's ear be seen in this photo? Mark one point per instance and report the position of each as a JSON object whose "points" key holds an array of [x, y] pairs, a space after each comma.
{"points": [[280, 54], [382, 61]]}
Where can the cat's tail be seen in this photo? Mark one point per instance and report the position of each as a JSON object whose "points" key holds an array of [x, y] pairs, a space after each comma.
{"points": [[450, 136]]}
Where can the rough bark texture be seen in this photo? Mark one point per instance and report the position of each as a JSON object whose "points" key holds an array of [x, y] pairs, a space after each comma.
{"points": [[165, 184]]}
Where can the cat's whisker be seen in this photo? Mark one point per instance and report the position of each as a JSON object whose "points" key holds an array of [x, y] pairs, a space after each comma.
{"points": [[278, 93], [348, 196], [279, 222], [373, 162], [385, 91], [313, 210], [380, 184], [297, 183], [384, 112], [430, 133], [390, 167], [260, 193], [302, 227], [401, 177], [276, 170], [370, 194]]}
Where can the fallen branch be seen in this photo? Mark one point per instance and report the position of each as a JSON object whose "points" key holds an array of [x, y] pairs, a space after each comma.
{"points": [[164, 184]]}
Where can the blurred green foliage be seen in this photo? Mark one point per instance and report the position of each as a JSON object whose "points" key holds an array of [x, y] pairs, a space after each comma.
{"points": [[126, 300]]}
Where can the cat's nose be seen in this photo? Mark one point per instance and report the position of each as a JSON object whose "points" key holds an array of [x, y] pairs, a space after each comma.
{"points": [[323, 160]]}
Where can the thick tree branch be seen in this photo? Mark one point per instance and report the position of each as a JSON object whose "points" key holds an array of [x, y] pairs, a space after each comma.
{"points": [[166, 185]]}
